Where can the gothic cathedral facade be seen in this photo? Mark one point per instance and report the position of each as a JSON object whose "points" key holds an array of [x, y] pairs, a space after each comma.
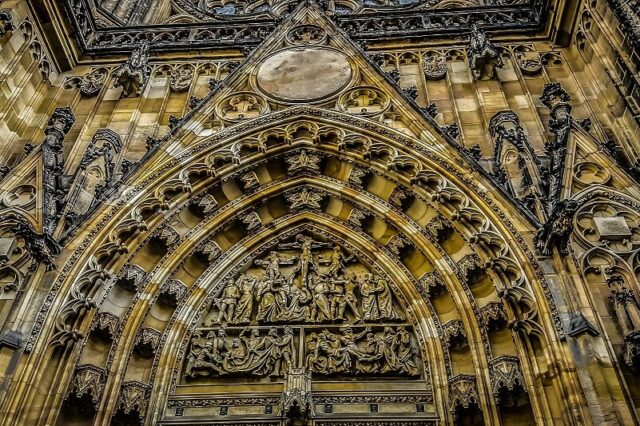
{"points": [[319, 212]]}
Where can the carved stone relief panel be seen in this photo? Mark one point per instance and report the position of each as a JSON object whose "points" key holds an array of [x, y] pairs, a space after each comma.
{"points": [[309, 306]]}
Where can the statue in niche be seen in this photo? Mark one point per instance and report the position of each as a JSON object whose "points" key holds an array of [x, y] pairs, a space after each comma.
{"points": [[625, 307]]}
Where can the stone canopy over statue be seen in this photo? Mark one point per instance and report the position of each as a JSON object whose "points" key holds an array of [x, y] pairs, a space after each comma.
{"points": [[306, 303]]}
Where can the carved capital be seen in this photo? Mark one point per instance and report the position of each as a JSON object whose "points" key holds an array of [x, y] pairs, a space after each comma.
{"points": [[168, 235], [304, 199], [398, 244], [210, 250], [439, 228], [470, 267], [358, 218], [431, 284], [251, 220], [493, 316]]}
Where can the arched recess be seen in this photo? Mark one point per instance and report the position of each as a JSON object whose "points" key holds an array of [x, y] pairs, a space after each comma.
{"points": [[430, 213], [607, 246]]}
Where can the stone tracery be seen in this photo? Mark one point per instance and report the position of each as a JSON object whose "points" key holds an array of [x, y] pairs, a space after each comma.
{"points": [[288, 247]]}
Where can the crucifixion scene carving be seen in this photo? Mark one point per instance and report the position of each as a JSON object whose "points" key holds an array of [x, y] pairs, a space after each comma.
{"points": [[319, 212]]}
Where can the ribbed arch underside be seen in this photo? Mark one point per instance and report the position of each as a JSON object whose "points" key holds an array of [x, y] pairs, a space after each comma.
{"points": [[455, 261]]}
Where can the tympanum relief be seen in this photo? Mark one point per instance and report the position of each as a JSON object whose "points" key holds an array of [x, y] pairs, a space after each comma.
{"points": [[305, 304]]}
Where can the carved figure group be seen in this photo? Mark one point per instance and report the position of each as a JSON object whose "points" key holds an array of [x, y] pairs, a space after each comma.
{"points": [[364, 352], [317, 289], [249, 352]]}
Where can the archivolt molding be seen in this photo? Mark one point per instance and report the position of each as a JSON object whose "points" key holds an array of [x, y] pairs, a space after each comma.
{"points": [[212, 158]]}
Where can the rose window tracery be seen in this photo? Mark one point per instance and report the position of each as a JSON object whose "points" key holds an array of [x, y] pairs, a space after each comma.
{"points": [[610, 225]]}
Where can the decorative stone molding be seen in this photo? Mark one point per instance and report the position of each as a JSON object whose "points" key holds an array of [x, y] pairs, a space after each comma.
{"points": [[181, 77], [106, 324], [631, 354], [454, 335], [303, 162], [435, 67], [173, 291], [493, 316], [462, 392], [507, 383], [92, 82], [147, 341], [241, 106], [307, 34], [133, 397], [366, 101], [88, 380], [131, 277]]}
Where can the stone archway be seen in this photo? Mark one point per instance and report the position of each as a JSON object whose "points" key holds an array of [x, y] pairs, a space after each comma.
{"points": [[133, 292]]}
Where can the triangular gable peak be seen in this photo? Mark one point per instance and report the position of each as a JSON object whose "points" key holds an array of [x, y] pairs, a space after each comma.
{"points": [[308, 61]]}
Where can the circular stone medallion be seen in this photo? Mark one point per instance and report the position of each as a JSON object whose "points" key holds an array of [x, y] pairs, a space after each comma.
{"points": [[304, 74]]}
